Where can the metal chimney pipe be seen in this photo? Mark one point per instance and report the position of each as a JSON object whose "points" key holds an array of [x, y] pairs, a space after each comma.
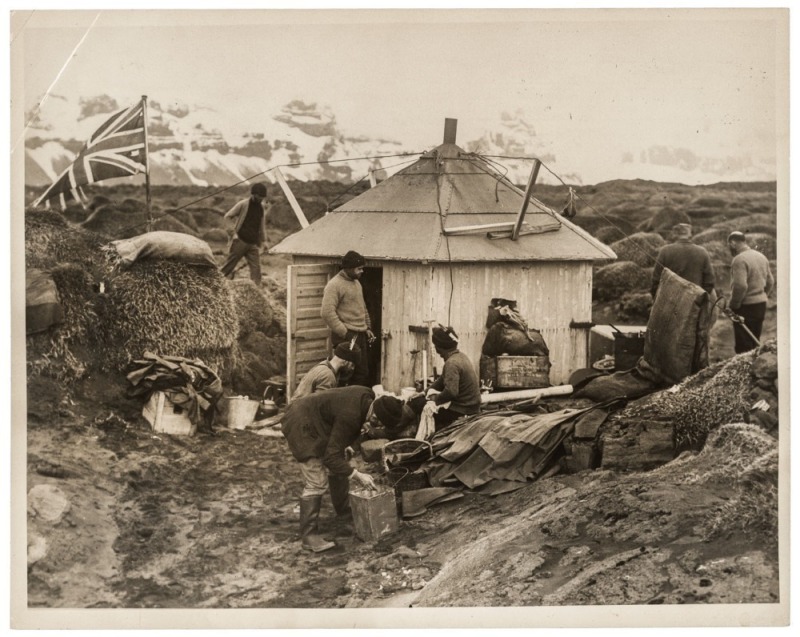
{"points": [[450, 126]]}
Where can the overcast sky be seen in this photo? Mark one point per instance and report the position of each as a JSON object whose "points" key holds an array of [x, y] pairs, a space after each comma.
{"points": [[594, 84]]}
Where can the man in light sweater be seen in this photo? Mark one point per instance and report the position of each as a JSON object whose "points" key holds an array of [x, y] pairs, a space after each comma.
{"points": [[345, 313], [751, 283]]}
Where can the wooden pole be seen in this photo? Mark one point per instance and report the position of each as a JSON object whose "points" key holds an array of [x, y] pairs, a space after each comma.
{"points": [[525, 199], [147, 167], [498, 397], [298, 211]]}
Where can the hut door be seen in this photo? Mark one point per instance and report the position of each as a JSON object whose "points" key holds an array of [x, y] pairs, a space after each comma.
{"points": [[307, 336]]}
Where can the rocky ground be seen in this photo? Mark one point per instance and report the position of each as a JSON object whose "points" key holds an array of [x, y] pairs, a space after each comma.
{"points": [[120, 517]]}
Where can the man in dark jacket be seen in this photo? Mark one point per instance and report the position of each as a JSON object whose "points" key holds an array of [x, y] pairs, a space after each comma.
{"points": [[687, 260], [319, 428], [250, 232], [458, 384]]}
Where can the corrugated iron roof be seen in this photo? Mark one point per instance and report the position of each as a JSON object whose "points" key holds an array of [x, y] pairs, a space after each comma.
{"points": [[402, 218]]}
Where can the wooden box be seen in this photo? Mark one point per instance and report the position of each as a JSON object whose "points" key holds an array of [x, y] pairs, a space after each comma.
{"points": [[374, 514], [167, 417], [516, 372]]}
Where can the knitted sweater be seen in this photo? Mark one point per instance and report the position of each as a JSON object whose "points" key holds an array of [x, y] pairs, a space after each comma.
{"points": [[459, 383], [751, 279], [343, 306], [318, 378]]}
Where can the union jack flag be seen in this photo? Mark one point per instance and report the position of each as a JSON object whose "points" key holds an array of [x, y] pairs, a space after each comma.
{"points": [[116, 149]]}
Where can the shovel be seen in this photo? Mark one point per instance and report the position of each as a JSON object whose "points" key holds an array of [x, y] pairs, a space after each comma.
{"points": [[740, 321]]}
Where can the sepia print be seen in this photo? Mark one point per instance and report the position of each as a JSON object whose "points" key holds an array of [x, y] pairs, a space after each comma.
{"points": [[360, 318]]}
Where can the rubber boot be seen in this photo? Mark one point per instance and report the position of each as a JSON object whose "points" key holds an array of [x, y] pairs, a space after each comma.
{"points": [[340, 498], [340, 495], [309, 515]]}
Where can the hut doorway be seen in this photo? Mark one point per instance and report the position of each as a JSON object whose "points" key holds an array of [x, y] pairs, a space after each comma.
{"points": [[372, 284]]}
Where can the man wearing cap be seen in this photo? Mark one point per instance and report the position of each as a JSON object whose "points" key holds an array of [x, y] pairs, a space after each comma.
{"points": [[250, 232], [345, 313], [687, 260], [751, 283], [318, 429], [326, 375], [458, 384]]}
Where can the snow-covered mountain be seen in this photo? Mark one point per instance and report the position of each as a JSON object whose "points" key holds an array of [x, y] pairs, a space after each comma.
{"points": [[202, 146]]}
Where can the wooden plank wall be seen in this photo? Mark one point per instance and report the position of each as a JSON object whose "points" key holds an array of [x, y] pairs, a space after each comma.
{"points": [[548, 295]]}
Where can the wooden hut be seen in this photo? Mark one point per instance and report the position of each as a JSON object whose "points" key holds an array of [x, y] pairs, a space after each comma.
{"points": [[427, 262]]}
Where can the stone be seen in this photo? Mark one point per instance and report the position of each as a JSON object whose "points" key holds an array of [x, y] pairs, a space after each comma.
{"points": [[372, 450], [47, 502], [651, 446], [766, 366], [37, 548], [765, 419]]}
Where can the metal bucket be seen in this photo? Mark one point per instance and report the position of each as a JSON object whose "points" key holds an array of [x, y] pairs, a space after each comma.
{"points": [[628, 349], [241, 412]]}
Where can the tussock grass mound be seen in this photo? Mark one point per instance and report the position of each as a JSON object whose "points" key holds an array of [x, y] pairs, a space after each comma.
{"points": [[718, 251], [171, 224], [613, 280], [215, 235], [763, 228], [169, 308], [765, 244], [51, 240], [640, 248], [61, 352], [713, 397], [709, 235], [663, 221], [634, 307], [252, 307], [608, 235], [109, 219]]}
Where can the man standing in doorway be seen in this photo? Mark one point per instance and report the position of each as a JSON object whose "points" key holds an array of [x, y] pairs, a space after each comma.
{"points": [[250, 233], [345, 313], [751, 283]]}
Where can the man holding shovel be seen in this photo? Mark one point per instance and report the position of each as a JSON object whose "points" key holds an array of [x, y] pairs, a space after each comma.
{"points": [[319, 428], [751, 283]]}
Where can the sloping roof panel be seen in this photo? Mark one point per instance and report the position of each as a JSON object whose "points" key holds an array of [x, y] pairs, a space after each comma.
{"points": [[402, 218], [417, 237]]}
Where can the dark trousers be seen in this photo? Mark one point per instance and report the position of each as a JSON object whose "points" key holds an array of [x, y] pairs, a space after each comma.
{"points": [[444, 417], [753, 316], [360, 375], [251, 252]]}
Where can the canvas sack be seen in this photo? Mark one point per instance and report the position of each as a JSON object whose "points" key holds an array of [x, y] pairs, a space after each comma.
{"points": [[161, 244]]}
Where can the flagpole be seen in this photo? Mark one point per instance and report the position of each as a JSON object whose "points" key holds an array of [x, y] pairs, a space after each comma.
{"points": [[147, 166]]}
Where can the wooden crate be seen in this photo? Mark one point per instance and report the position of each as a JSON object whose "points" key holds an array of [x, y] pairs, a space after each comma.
{"points": [[167, 417], [374, 514], [516, 372]]}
